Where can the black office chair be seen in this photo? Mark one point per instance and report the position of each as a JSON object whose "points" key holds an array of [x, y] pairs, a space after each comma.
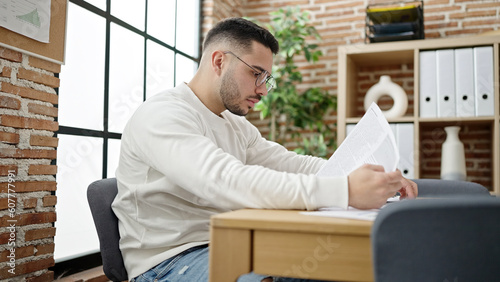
{"points": [[455, 239], [100, 195], [449, 188]]}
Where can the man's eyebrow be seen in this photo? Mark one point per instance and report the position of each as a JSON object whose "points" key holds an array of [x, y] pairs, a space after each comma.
{"points": [[259, 68]]}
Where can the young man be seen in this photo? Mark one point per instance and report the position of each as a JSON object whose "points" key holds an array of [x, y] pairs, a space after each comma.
{"points": [[188, 153]]}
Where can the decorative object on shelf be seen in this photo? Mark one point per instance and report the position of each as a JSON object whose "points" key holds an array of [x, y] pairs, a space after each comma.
{"points": [[386, 87], [453, 156], [394, 21]]}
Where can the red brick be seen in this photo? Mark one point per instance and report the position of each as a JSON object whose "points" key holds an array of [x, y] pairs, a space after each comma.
{"points": [[45, 249], [442, 25], [27, 267], [4, 202], [434, 18], [442, 9], [349, 4], [34, 186], [10, 55], [46, 141], [6, 169], [36, 234], [30, 203], [9, 138], [45, 277], [21, 252], [42, 170], [29, 218], [49, 201], [43, 64], [37, 77], [27, 154], [9, 103], [436, 2], [487, 21], [29, 93], [6, 72], [467, 31], [346, 19], [42, 110], [483, 5], [472, 14], [29, 123], [4, 237]]}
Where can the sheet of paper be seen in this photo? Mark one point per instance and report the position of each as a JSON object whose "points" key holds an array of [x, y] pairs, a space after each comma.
{"points": [[350, 213], [30, 18], [370, 141]]}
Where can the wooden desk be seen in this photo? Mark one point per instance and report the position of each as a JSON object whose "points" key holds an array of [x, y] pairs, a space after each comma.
{"points": [[287, 243]]}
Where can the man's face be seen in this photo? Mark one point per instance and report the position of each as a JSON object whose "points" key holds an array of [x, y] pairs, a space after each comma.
{"points": [[238, 90]]}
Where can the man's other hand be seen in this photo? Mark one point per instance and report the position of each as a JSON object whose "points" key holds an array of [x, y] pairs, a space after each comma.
{"points": [[409, 189], [370, 186]]}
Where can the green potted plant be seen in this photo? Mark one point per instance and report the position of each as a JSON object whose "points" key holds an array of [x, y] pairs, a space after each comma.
{"points": [[293, 115]]}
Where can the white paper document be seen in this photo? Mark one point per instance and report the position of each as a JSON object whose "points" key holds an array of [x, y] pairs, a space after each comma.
{"points": [[30, 18], [371, 141], [350, 213]]}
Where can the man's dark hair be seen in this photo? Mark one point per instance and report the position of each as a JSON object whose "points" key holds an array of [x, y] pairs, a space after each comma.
{"points": [[240, 33]]}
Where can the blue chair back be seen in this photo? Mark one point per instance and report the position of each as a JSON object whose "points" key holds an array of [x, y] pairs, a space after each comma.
{"points": [[100, 195], [456, 239]]}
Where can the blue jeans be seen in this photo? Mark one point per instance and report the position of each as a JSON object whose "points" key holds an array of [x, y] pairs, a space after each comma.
{"points": [[192, 265]]}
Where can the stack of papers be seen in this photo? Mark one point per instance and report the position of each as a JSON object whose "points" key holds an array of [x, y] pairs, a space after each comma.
{"points": [[351, 213]]}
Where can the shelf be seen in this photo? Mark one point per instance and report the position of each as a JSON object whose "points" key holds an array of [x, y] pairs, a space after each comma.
{"points": [[446, 121], [360, 66], [382, 58]]}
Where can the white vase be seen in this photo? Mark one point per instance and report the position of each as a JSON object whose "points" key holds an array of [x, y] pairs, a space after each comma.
{"points": [[386, 87], [453, 156]]}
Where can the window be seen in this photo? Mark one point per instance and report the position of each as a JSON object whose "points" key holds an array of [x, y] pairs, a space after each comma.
{"points": [[118, 53]]}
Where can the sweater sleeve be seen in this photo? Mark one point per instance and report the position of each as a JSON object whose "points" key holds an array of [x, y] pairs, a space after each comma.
{"points": [[273, 155], [174, 143]]}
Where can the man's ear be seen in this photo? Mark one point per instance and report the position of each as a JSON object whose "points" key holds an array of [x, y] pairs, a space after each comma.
{"points": [[218, 60]]}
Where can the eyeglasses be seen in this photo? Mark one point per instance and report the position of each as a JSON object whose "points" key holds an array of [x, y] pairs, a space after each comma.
{"points": [[262, 76]]}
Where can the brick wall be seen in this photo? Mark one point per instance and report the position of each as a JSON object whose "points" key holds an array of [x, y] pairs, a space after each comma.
{"points": [[214, 10], [27, 170]]}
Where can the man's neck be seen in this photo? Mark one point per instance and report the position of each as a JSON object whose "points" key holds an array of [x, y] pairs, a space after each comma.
{"points": [[205, 96]]}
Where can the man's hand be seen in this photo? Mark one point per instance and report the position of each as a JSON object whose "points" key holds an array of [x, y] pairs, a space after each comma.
{"points": [[409, 189], [370, 186]]}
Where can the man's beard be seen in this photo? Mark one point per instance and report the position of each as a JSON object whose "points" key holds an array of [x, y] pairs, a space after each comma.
{"points": [[230, 95]]}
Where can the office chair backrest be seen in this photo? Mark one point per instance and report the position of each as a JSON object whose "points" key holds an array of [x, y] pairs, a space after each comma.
{"points": [[455, 239], [100, 195], [447, 188]]}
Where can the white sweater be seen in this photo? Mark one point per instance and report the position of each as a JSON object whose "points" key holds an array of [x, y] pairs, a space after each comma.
{"points": [[180, 164]]}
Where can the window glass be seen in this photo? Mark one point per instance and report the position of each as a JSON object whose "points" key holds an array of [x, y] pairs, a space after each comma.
{"points": [[113, 156], [81, 94], [188, 26], [130, 11], [126, 76], [79, 160], [159, 68], [184, 70], [89, 79], [161, 20]]}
